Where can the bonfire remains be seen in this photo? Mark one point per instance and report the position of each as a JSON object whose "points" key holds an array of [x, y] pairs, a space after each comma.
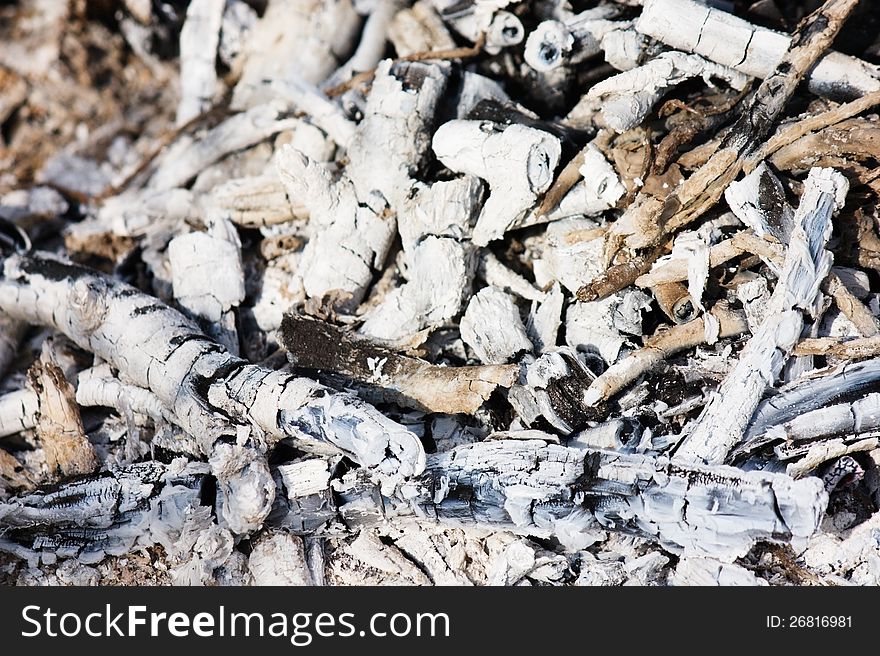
{"points": [[478, 292]]}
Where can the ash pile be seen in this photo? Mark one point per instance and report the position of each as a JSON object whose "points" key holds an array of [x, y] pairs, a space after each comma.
{"points": [[444, 292]]}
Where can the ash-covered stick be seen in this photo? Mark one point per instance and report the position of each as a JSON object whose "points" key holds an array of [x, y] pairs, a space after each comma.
{"points": [[103, 514], [99, 387], [371, 46], [676, 302], [18, 411], [214, 395], [725, 418], [295, 39], [813, 391], [208, 279], [549, 490], [555, 43], [187, 157], [516, 161], [524, 485], [758, 200], [717, 35], [586, 186], [434, 224], [322, 112], [254, 202], [419, 29], [676, 269], [850, 349], [838, 420], [623, 101], [856, 311]]}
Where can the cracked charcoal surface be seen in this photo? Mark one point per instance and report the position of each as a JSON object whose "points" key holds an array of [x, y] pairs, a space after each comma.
{"points": [[320, 292]]}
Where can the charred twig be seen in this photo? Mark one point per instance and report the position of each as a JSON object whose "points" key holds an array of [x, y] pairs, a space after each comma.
{"points": [[410, 382], [850, 349], [619, 276], [791, 133], [660, 347]]}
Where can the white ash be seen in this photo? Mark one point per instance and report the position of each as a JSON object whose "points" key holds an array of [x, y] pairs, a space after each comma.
{"points": [[449, 432], [135, 214], [853, 555], [279, 559], [238, 19], [545, 318], [207, 278], [418, 29], [497, 274], [689, 246], [475, 19], [371, 46], [708, 572], [568, 258], [755, 298], [38, 202], [436, 552], [375, 556], [602, 326], [505, 31], [542, 390], [487, 150], [758, 200], [352, 212], [555, 43], [323, 112], [521, 561], [493, 328], [254, 201], [434, 225], [290, 175], [188, 157], [249, 161]]}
